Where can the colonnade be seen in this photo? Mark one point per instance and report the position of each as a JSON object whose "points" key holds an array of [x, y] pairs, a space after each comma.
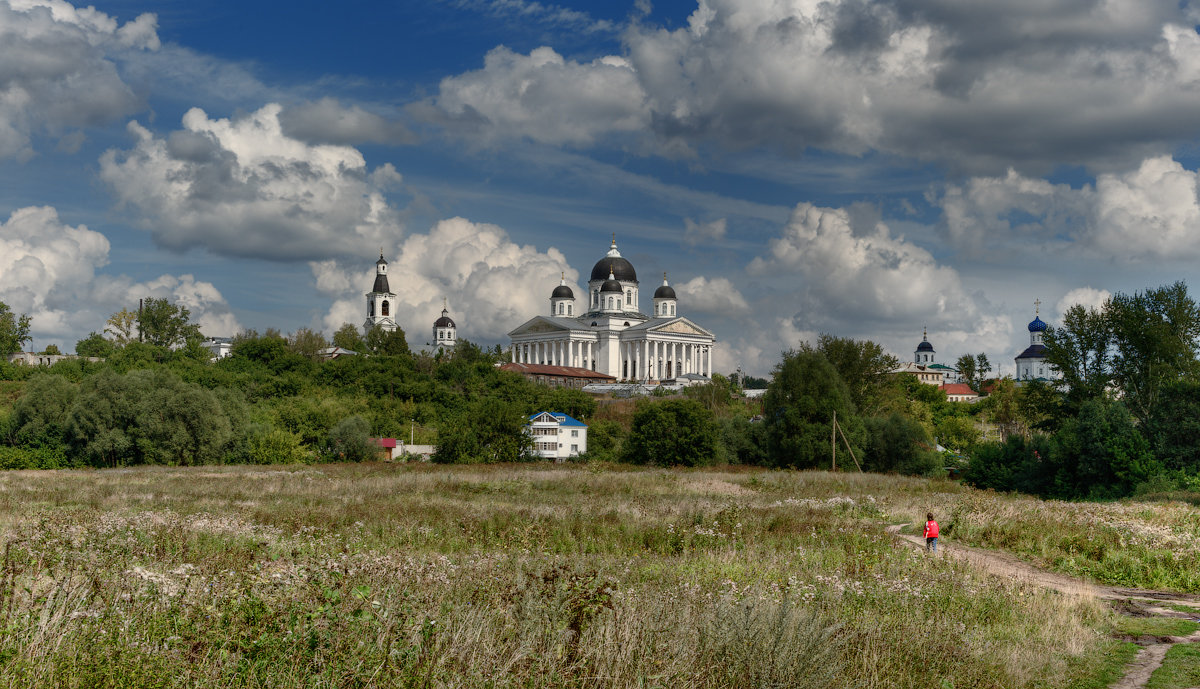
{"points": [[555, 353], [655, 359], [664, 359]]}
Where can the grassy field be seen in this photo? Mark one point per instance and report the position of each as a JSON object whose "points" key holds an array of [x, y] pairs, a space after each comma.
{"points": [[527, 576]]}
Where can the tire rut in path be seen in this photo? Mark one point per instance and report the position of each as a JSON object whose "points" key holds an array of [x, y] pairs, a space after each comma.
{"points": [[1147, 602]]}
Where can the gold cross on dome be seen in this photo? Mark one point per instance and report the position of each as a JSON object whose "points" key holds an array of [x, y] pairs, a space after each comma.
{"points": [[1037, 306]]}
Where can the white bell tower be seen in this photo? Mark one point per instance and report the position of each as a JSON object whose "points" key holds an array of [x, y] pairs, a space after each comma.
{"points": [[381, 301]]}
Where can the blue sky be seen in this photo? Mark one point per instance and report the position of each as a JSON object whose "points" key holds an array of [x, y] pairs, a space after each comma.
{"points": [[867, 169]]}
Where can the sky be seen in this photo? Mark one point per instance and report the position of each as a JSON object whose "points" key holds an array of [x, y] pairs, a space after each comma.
{"points": [[865, 169]]}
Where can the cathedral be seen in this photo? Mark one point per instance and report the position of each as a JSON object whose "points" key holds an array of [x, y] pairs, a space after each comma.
{"points": [[611, 335]]}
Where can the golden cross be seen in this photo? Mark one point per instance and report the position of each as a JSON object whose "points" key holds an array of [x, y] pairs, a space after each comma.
{"points": [[1037, 306]]}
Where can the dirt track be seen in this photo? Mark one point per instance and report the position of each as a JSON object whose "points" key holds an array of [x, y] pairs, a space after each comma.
{"points": [[1138, 602]]}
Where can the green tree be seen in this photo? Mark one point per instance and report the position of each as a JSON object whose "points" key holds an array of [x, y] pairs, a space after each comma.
{"points": [[967, 371], [863, 365], [52, 350], [350, 441], [672, 433], [121, 327], [381, 342], [94, 345], [14, 330], [1174, 426], [487, 430], [714, 395], [569, 401], [958, 433], [798, 410], [148, 416], [348, 337], [1101, 453], [307, 343], [164, 324], [1079, 350], [1155, 339], [898, 444], [606, 440], [39, 416]]}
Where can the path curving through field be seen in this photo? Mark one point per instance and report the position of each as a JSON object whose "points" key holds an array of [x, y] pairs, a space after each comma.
{"points": [[1139, 602]]}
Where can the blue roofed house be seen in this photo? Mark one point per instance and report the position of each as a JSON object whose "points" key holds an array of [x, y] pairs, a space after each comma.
{"points": [[556, 435]]}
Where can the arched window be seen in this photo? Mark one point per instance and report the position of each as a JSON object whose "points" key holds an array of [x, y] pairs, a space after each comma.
{"points": [[370, 309], [385, 307], [560, 308], [628, 296], [672, 309], [570, 308], [610, 302]]}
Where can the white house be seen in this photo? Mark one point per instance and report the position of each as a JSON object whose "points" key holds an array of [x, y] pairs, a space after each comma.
{"points": [[557, 436]]}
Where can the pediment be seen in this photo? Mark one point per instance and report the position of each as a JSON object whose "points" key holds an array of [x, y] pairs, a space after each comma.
{"points": [[681, 327], [537, 326]]}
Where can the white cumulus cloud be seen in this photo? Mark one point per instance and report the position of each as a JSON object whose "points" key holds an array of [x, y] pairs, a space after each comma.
{"points": [[1151, 211], [543, 97], [979, 86], [1087, 297], [50, 270], [715, 296], [242, 187], [59, 69], [490, 283]]}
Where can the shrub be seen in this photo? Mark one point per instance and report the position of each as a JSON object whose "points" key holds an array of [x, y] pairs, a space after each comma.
{"points": [[673, 433]]}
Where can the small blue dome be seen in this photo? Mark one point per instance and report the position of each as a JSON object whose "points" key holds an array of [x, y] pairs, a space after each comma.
{"points": [[1037, 325]]}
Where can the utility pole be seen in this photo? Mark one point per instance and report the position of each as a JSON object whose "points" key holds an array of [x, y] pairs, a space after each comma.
{"points": [[833, 442]]}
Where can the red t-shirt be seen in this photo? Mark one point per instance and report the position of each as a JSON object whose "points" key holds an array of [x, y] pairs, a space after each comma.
{"points": [[931, 529]]}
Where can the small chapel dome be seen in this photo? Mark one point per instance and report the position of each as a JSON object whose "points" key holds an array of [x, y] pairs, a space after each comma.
{"points": [[563, 291], [924, 346], [614, 266], [1037, 325], [445, 321], [381, 261], [664, 291], [611, 284]]}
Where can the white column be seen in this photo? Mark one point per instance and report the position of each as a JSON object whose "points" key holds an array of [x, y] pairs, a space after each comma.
{"points": [[637, 360], [710, 353]]}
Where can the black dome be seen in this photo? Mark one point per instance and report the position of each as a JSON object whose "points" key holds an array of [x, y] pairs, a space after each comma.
{"points": [[562, 292], [381, 284], [444, 322], [664, 292], [620, 268], [611, 285], [924, 346]]}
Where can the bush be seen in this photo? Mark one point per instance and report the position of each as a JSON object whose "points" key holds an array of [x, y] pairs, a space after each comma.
{"points": [[274, 446], [673, 433], [34, 458], [898, 443], [350, 441]]}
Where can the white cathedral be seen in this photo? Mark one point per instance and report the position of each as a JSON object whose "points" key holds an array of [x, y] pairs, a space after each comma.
{"points": [[612, 336]]}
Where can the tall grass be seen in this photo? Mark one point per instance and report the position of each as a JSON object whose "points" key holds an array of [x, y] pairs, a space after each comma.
{"points": [[387, 575]]}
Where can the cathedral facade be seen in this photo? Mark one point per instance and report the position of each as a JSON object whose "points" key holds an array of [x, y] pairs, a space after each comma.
{"points": [[610, 334]]}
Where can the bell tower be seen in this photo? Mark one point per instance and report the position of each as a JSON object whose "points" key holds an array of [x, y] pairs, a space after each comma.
{"points": [[381, 301]]}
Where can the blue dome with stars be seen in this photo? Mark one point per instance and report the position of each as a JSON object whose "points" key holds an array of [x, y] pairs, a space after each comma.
{"points": [[1037, 325]]}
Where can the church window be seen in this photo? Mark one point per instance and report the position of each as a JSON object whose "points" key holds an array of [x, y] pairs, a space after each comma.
{"points": [[370, 309], [672, 309], [560, 309], [385, 307], [570, 309], [628, 296]]}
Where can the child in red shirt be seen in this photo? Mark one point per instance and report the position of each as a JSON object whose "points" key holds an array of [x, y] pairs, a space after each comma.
{"points": [[931, 533]]}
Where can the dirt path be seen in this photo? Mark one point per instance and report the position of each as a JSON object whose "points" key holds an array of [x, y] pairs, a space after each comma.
{"points": [[1135, 602]]}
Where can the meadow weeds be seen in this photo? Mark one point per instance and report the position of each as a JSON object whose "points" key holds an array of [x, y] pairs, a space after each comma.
{"points": [[530, 576], [1127, 543]]}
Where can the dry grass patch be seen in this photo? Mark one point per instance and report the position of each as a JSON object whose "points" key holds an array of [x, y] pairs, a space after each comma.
{"points": [[386, 575]]}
